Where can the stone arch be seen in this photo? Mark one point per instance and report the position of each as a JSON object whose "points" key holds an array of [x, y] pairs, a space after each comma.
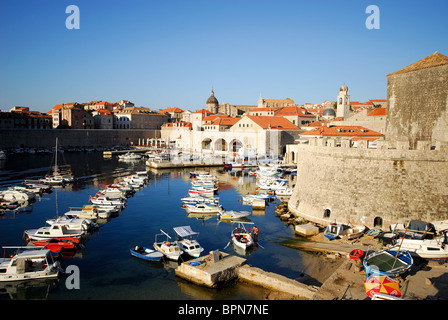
{"points": [[235, 144], [327, 213], [207, 144], [221, 145]]}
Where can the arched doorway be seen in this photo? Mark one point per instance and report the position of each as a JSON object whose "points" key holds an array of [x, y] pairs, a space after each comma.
{"points": [[206, 144], [235, 145], [220, 145]]}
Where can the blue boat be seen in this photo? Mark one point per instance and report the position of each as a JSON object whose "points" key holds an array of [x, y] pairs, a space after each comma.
{"points": [[387, 263], [146, 253]]}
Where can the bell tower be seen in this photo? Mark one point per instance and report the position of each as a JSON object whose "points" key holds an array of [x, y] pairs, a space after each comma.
{"points": [[343, 103]]}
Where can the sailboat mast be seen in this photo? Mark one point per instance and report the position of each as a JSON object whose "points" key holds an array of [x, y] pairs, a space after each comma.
{"points": [[56, 157]]}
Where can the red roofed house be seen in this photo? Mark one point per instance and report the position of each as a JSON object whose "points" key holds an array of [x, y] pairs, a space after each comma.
{"points": [[175, 113], [103, 119], [353, 133]]}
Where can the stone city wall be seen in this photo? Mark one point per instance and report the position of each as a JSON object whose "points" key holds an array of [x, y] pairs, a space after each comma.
{"points": [[374, 187], [418, 103], [10, 138]]}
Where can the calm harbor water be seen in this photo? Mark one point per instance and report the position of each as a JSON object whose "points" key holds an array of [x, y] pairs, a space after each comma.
{"points": [[107, 270]]}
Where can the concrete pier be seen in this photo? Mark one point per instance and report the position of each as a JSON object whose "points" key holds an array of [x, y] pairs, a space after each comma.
{"points": [[276, 282], [204, 271]]}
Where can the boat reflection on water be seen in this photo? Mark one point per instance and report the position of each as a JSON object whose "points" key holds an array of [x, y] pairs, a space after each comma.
{"points": [[29, 289]]}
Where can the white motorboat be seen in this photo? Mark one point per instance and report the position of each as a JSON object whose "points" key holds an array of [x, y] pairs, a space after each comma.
{"points": [[233, 215], [169, 249], [35, 184], [287, 191], [73, 224], [129, 156], [187, 241], [82, 213], [29, 264], [203, 208], [22, 187], [106, 201], [55, 180], [436, 248], [52, 231], [103, 212], [14, 195]]}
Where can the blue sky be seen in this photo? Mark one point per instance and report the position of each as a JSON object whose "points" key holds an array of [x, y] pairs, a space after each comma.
{"points": [[166, 53]]}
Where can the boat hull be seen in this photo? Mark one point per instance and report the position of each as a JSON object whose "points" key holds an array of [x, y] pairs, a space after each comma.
{"points": [[384, 263], [146, 254]]}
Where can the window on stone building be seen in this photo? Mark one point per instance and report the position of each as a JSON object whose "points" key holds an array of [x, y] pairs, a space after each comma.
{"points": [[327, 213]]}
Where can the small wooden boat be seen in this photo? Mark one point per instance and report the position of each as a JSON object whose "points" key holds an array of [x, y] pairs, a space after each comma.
{"points": [[334, 230], [353, 232], [233, 215], [242, 238], [146, 253], [372, 233], [387, 263]]}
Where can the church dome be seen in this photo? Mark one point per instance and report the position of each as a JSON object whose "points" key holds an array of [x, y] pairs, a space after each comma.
{"points": [[212, 99], [343, 88], [329, 113]]}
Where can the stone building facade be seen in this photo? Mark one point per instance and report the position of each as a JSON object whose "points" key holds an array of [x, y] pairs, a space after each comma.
{"points": [[404, 178], [418, 101]]}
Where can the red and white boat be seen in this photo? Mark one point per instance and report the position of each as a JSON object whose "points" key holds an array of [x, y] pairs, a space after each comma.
{"points": [[201, 191]]}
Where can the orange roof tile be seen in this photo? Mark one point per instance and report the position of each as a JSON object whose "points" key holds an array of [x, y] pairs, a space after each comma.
{"points": [[378, 112], [279, 123], [293, 111], [178, 110], [225, 121], [342, 131], [214, 116]]}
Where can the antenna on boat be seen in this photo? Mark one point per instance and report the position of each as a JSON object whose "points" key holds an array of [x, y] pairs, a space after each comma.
{"points": [[399, 247]]}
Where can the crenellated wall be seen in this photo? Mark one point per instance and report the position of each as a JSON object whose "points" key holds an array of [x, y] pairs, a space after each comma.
{"points": [[386, 185]]}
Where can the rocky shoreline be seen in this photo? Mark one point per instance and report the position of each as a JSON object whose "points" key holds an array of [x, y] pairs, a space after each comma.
{"points": [[427, 280]]}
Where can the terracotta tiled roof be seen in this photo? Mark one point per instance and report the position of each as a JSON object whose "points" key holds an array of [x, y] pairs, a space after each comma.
{"points": [[278, 123], [225, 121], [341, 131], [378, 112], [102, 112], [434, 60], [293, 111], [214, 116], [169, 110]]}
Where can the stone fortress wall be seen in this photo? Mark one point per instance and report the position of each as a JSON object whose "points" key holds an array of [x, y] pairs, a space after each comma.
{"points": [[405, 178], [28, 138], [374, 187]]}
